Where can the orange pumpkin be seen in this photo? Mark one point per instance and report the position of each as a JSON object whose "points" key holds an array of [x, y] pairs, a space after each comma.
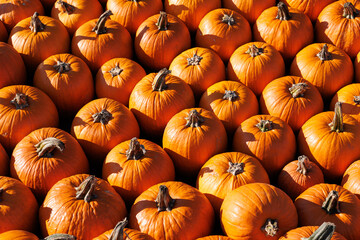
{"points": [[223, 30], [255, 64], [3, 33], [350, 98], [117, 78], [351, 178], [214, 237], [311, 8], [46, 156], [18, 235], [257, 211], [99, 40]]}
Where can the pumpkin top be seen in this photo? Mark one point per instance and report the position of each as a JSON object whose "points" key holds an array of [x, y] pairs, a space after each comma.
{"points": [[100, 28], [283, 12]]}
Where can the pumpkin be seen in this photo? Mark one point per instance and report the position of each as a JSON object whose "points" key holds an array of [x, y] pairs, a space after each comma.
{"points": [[81, 205], [299, 175], [135, 165], [156, 98], [156, 210], [292, 99], [332, 203], [204, 136], [350, 98], [250, 9], [326, 137], [255, 64], [214, 237], [338, 24], [4, 162], [159, 39], [350, 179], [102, 124], [232, 102], [25, 235], [99, 40], [267, 138], [324, 231], [22, 110], [223, 30], [224, 172], [38, 37], [287, 29], [67, 80], [74, 13], [257, 211], [3, 33], [117, 78], [46, 156], [198, 67], [132, 13], [191, 12], [13, 11], [17, 200], [12, 71], [311, 8], [325, 66]]}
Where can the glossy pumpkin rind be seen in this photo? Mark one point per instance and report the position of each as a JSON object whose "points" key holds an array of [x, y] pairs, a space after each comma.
{"points": [[311, 8], [348, 96], [18, 235], [350, 180], [306, 232]]}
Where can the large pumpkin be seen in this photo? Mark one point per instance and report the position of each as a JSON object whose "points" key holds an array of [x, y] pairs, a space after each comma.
{"points": [[350, 98], [311, 8], [351, 178]]}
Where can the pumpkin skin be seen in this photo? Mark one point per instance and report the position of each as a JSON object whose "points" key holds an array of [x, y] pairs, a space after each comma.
{"points": [[130, 171], [246, 209], [294, 106], [156, 46], [131, 14], [35, 46], [12, 71], [347, 95], [311, 8], [198, 67], [191, 210], [74, 13], [15, 194], [255, 64], [232, 108], [250, 9], [17, 123], [154, 106], [350, 180], [117, 78], [214, 237], [3, 33], [191, 12], [305, 232], [18, 235], [40, 173], [13, 11], [131, 234], [328, 72], [311, 213], [274, 145], [223, 30], [63, 212], [112, 40], [343, 32], [97, 138], [219, 176], [204, 139], [58, 76], [288, 36]]}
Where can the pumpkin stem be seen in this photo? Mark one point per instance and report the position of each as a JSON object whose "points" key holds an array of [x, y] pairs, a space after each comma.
{"points": [[35, 24], [45, 148], [62, 67], [298, 89], [350, 12], [163, 199], [119, 230], [194, 119], [159, 80], [20, 101], [194, 60], [357, 99], [254, 51], [265, 125], [337, 122], [136, 150], [270, 227], [324, 54], [103, 117], [85, 190], [60, 236], [324, 232], [100, 24], [331, 203], [66, 7], [162, 21], [115, 71], [283, 13], [229, 19], [236, 168], [230, 95], [303, 165], [1, 194]]}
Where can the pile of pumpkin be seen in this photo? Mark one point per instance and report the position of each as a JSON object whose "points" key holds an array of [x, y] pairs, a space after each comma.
{"points": [[178, 119]]}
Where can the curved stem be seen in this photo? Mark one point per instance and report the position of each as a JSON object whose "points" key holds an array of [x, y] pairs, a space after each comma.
{"points": [[230, 95], [35, 24], [62, 67], [103, 117], [115, 71], [324, 232], [236, 168], [136, 150], [337, 124], [229, 19], [324, 54], [303, 165], [45, 148], [254, 51], [159, 81], [298, 89], [162, 21], [85, 190], [100, 24], [331, 203], [270, 227], [350, 12], [194, 60], [265, 125], [283, 13], [119, 230], [20, 101], [66, 7], [60, 236], [163, 199], [194, 119]]}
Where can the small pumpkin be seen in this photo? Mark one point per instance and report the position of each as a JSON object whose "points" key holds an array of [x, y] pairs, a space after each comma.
{"points": [[214, 237], [311, 8], [350, 179], [25, 235], [350, 98]]}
